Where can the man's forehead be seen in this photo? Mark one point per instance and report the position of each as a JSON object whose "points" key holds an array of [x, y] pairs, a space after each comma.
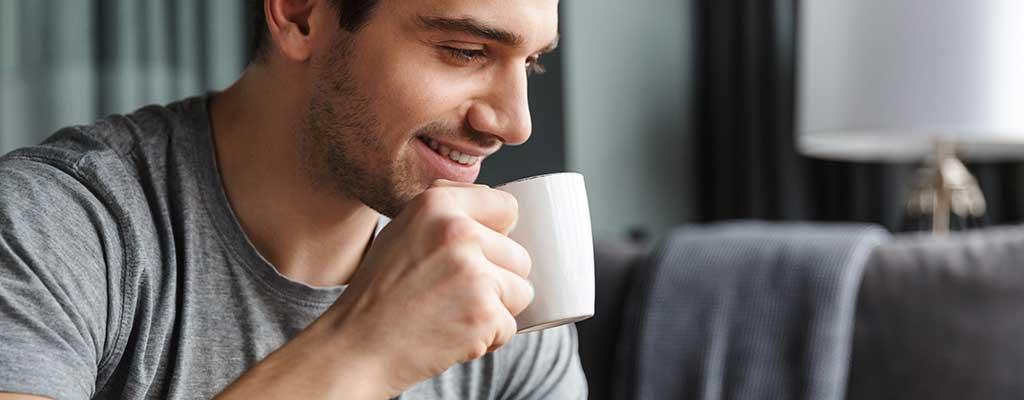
{"points": [[531, 23]]}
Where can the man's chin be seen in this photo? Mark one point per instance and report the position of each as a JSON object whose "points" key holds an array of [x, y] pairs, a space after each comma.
{"points": [[394, 202]]}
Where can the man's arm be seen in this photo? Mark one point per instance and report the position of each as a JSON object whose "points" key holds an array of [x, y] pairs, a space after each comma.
{"points": [[53, 280], [315, 364], [18, 396]]}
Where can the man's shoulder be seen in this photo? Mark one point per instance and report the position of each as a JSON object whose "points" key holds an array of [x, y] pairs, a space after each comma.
{"points": [[56, 194], [107, 177]]}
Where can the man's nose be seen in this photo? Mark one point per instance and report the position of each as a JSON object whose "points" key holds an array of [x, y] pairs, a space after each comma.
{"points": [[505, 110]]}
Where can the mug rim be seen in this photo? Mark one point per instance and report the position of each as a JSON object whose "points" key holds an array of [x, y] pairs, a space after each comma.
{"points": [[530, 178]]}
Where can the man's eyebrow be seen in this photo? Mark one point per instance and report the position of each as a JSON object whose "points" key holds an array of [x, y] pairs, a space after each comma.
{"points": [[472, 27], [476, 28]]}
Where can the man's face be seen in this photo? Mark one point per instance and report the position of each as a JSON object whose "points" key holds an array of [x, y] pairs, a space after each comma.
{"points": [[425, 90]]}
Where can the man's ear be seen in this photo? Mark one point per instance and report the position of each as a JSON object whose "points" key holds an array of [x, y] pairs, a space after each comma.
{"points": [[292, 26]]}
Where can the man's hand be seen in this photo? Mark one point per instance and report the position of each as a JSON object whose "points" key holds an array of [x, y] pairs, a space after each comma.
{"points": [[440, 285]]}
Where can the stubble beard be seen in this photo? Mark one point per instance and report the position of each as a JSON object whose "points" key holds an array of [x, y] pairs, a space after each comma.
{"points": [[342, 143]]}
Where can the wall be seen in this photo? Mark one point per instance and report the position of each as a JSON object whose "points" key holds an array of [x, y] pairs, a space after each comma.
{"points": [[65, 63], [628, 89]]}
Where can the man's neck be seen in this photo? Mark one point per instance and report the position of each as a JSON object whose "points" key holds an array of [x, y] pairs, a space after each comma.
{"points": [[309, 235]]}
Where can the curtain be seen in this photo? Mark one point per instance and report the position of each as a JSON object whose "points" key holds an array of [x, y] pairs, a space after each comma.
{"points": [[70, 62], [745, 158]]}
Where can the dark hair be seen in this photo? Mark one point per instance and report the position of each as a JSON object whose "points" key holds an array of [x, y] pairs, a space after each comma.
{"points": [[353, 14]]}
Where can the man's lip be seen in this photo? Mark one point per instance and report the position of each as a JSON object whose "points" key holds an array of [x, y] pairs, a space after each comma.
{"points": [[441, 167], [461, 148]]}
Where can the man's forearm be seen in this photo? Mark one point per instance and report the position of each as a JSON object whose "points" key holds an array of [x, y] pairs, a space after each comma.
{"points": [[314, 365]]}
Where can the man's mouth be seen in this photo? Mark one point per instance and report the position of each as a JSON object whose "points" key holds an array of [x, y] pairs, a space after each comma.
{"points": [[444, 151]]}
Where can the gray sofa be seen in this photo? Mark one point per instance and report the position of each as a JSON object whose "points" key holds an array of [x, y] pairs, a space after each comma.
{"points": [[935, 318]]}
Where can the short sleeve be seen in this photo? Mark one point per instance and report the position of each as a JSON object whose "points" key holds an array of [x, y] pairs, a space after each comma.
{"points": [[55, 241], [542, 365]]}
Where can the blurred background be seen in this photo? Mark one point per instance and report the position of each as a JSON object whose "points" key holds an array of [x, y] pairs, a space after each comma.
{"points": [[675, 111]]}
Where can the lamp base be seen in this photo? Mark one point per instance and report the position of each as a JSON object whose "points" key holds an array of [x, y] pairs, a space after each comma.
{"points": [[945, 188]]}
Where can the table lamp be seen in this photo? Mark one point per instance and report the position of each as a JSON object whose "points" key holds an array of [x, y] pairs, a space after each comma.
{"points": [[914, 80]]}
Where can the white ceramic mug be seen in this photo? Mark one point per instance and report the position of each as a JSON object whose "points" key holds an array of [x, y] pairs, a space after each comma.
{"points": [[554, 227]]}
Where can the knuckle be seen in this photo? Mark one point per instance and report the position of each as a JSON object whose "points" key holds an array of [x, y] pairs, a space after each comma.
{"points": [[518, 306], [464, 265], [455, 230], [510, 327], [512, 202], [504, 331], [531, 293], [478, 316], [479, 349]]}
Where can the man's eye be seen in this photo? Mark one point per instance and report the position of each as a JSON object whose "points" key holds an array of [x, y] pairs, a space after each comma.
{"points": [[465, 55]]}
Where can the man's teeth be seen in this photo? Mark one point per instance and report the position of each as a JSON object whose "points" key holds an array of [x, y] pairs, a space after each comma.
{"points": [[454, 155]]}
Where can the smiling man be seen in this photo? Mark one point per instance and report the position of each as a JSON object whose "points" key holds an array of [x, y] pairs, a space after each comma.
{"points": [[221, 246]]}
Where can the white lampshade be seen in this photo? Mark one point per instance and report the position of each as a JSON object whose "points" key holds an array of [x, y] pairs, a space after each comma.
{"points": [[882, 79]]}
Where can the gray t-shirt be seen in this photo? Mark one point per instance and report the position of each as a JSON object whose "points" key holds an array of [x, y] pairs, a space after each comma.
{"points": [[124, 274]]}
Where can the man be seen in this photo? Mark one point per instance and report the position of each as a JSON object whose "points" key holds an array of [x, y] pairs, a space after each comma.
{"points": [[220, 246]]}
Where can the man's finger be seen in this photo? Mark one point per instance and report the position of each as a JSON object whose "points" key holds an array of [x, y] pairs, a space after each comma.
{"points": [[515, 292], [505, 253], [504, 333], [493, 208]]}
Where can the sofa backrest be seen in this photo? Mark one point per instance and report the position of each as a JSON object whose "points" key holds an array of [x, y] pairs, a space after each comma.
{"points": [[942, 318]]}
